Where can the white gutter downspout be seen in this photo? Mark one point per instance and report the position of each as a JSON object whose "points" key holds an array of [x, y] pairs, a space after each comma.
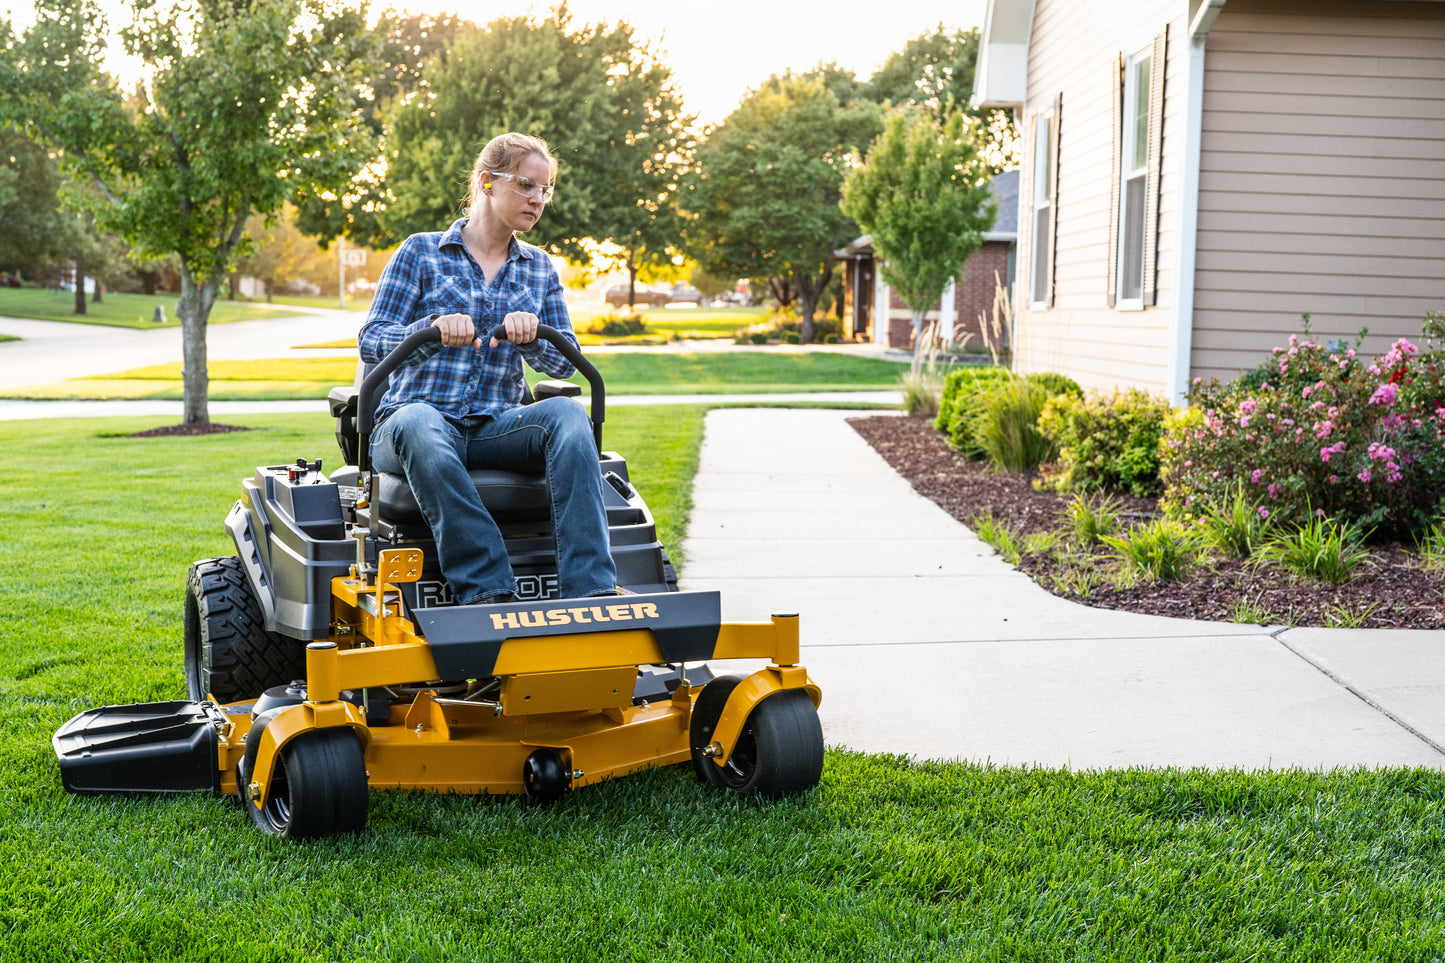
{"points": [[1181, 341]]}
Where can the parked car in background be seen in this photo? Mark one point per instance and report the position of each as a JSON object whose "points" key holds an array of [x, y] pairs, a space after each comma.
{"points": [[682, 291], [658, 296], [617, 296]]}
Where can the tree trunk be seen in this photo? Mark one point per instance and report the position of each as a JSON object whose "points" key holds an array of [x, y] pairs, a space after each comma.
{"points": [[95, 298], [806, 305], [631, 281], [917, 319], [79, 288], [194, 309]]}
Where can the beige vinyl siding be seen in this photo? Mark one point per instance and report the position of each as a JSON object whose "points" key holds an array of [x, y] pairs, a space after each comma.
{"points": [[1099, 346], [1322, 176]]}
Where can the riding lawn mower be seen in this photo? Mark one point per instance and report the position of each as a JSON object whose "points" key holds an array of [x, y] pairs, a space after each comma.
{"points": [[327, 658]]}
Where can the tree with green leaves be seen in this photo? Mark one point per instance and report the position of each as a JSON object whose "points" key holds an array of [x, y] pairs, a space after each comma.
{"points": [[923, 195], [33, 229], [243, 105], [604, 103], [764, 194], [934, 72]]}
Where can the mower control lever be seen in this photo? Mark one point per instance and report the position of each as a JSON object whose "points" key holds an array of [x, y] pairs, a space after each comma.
{"points": [[376, 381]]}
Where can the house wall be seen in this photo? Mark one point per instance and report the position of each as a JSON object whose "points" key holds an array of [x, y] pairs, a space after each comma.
{"points": [[973, 294], [1322, 176], [1071, 51]]}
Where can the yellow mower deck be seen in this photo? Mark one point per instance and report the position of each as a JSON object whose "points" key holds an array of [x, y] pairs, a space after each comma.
{"points": [[571, 692]]}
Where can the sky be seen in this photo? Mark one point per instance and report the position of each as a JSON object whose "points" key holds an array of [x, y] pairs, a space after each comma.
{"points": [[718, 51]]}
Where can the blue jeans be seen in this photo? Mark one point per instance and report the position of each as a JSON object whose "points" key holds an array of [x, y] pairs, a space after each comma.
{"points": [[554, 436]]}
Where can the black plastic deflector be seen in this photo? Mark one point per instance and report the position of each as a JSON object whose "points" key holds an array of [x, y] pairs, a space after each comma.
{"points": [[150, 747]]}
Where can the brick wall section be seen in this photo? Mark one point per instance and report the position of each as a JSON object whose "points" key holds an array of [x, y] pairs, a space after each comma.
{"points": [[972, 297], [975, 295]]}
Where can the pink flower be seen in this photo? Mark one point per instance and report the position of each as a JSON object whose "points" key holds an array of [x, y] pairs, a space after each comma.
{"points": [[1256, 475], [1385, 394], [1334, 478], [1273, 490], [1263, 512], [1325, 455], [1364, 476]]}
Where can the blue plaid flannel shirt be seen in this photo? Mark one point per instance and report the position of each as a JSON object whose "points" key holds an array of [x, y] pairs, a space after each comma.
{"points": [[431, 275]]}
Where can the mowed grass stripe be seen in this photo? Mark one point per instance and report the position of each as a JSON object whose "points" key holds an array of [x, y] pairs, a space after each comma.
{"points": [[887, 860]]}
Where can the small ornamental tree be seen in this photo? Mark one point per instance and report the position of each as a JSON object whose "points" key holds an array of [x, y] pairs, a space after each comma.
{"points": [[923, 196], [245, 105]]}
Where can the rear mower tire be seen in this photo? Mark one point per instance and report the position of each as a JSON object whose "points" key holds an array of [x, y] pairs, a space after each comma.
{"points": [[318, 788], [778, 752], [228, 652]]}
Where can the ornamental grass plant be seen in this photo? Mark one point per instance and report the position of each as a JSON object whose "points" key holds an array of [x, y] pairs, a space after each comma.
{"points": [[1321, 549]]}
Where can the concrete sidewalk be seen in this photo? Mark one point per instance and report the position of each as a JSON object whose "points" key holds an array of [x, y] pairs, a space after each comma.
{"points": [[925, 643]]}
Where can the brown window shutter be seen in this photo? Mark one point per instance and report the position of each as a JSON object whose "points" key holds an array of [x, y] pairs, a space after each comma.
{"points": [[1033, 149], [1116, 101], [1156, 146], [1054, 199]]}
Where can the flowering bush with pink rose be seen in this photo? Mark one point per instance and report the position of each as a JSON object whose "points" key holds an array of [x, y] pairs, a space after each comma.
{"points": [[1324, 433]]}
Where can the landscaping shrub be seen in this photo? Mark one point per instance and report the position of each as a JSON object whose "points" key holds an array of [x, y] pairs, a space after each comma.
{"points": [[1105, 443], [1320, 549], [1006, 425], [1236, 527], [612, 326], [1091, 520], [992, 413], [785, 325], [1328, 434], [1159, 551], [957, 404]]}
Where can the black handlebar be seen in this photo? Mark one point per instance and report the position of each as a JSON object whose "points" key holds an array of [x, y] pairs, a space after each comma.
{"points": [[377, 380]]}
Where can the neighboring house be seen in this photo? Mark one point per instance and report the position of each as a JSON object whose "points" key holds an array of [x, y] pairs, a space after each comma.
{"points": [[873, 312], [1199, 174]]}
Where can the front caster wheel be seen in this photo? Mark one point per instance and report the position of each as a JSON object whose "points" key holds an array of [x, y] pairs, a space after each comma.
{"points": [[318, 787], [543, 777], [780, 748]]}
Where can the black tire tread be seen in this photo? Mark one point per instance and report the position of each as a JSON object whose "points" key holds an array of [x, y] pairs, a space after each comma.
{"points": [[228, 652]]}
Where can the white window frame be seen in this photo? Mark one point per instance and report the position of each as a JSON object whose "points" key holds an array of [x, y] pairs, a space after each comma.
{"points": [[1043, 173], [1135, 146]]}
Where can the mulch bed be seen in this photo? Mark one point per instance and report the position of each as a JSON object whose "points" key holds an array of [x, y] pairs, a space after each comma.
{"points": [[1394, 592], [197, 428]]}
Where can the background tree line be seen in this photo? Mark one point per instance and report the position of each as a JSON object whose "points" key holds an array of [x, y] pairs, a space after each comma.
{"points": [[258, 130]]}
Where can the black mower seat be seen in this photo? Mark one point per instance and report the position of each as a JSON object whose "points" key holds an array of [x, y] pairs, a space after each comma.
{"points": [[507, 495]]}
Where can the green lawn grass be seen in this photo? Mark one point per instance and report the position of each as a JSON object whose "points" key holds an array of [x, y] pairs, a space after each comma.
{"points": [[886, 860], [754, 372], [120, 310], [669, 324]]}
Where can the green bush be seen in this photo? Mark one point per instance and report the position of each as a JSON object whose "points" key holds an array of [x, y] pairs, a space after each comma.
{"points": [[1237, 527], [1105, 442], [612, 326], [991, 413], [1091, 520], [1329, 431], [957, 404], [1159, 551], [1056, 384], [1320, 549], [1006, 425]]}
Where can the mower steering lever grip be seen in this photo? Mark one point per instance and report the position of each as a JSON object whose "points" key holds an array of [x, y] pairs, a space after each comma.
{"points": [[377, 379]]}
